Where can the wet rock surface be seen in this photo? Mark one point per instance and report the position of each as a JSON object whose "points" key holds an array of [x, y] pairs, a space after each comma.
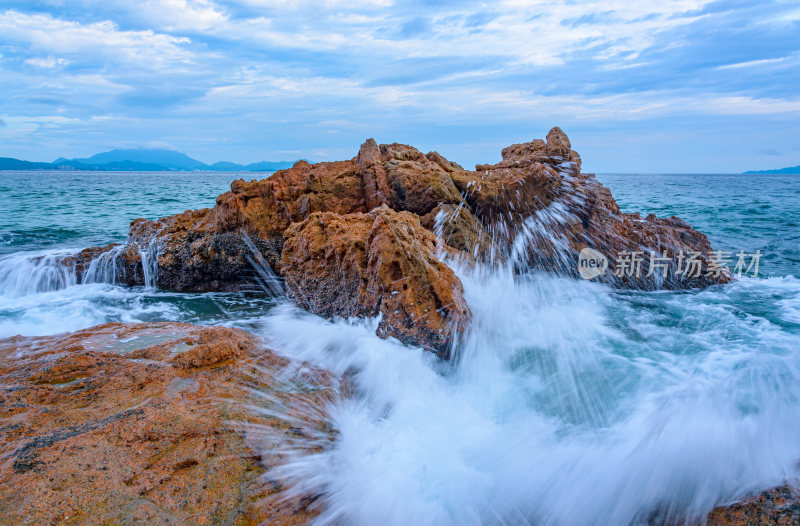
{"points": [[534, 210], [383, 262], [136, 424], [184, 252], [779, 506]]}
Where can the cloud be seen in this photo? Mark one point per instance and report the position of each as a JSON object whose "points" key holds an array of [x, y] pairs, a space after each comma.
{"points": [[244, 76], [99, 41], [47, 63]]}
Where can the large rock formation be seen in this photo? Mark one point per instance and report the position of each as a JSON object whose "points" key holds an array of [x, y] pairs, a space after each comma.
{"points": [[542, 211], [534, 210], [131, 424]]}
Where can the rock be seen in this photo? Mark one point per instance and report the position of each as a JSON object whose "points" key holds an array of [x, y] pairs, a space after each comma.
{"points": [[534, 209], [185, 252], [373, 175], [777, 506], [381, 262], [557, 142], [404, 178], [266, 208], [131, 423], [83, 260], [537, 193]]}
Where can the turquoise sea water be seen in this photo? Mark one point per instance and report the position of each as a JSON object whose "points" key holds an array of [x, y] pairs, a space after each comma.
{"points": [[571, 404], [736, 212], [60, 212]]}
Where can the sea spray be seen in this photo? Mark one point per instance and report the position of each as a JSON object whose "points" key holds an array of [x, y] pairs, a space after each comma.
{"points": [[571, 403]]}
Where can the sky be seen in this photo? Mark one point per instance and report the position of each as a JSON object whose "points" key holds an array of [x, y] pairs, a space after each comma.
{"points": [[678, 86]]}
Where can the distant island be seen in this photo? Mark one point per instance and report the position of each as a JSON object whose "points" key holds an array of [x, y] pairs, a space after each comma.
{"points": [[789, 170], [141, 160]]}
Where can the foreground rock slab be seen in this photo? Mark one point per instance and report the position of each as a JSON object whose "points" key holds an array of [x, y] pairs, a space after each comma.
{"points": [[132, 424]]}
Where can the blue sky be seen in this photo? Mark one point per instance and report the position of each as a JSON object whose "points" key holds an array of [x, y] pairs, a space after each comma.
{"points": [[645, 85]]}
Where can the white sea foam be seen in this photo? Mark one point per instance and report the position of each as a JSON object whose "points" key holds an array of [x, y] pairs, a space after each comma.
{"points": [[569, 404]]}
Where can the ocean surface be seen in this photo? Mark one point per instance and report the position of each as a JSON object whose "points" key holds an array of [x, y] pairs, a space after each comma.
{"points": [[570, 403]]}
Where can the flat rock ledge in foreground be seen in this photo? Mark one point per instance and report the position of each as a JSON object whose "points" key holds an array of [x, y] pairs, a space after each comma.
{"points": [[131, 424]]}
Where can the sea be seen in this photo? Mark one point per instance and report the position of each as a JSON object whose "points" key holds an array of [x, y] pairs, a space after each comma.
{"points": [[570, 403]]}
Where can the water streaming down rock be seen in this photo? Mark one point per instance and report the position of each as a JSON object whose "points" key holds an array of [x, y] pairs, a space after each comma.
{"points": [[104, 267], [29, 273], [44, 271], [149, 253]]}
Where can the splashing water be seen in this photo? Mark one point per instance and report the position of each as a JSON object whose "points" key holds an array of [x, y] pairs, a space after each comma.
{"points": [[570, 403]]}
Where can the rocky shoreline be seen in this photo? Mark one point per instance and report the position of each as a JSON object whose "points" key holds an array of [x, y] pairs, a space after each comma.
{"points": [[152, 423], [147, 423]]}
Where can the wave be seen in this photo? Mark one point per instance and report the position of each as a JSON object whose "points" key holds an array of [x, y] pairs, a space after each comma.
{"points": [[570, 404]]}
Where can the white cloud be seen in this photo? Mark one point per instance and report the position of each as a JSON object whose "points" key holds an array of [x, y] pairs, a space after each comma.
{"points": [[44, 33], [181, 15], [753, 63], [47, 63]]}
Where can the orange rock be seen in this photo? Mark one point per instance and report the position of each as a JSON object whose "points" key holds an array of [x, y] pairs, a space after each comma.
{"points": [[534, 207], [382, 262], [267, 207], [185, 252], [779, 506], [404, 178], [537, 192], [125, 423]]}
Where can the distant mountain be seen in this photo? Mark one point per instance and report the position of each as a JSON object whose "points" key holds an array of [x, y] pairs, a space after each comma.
{"points": [[165, 159], [789, 170], [141, 160], [7, 163], [225, 166]]}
